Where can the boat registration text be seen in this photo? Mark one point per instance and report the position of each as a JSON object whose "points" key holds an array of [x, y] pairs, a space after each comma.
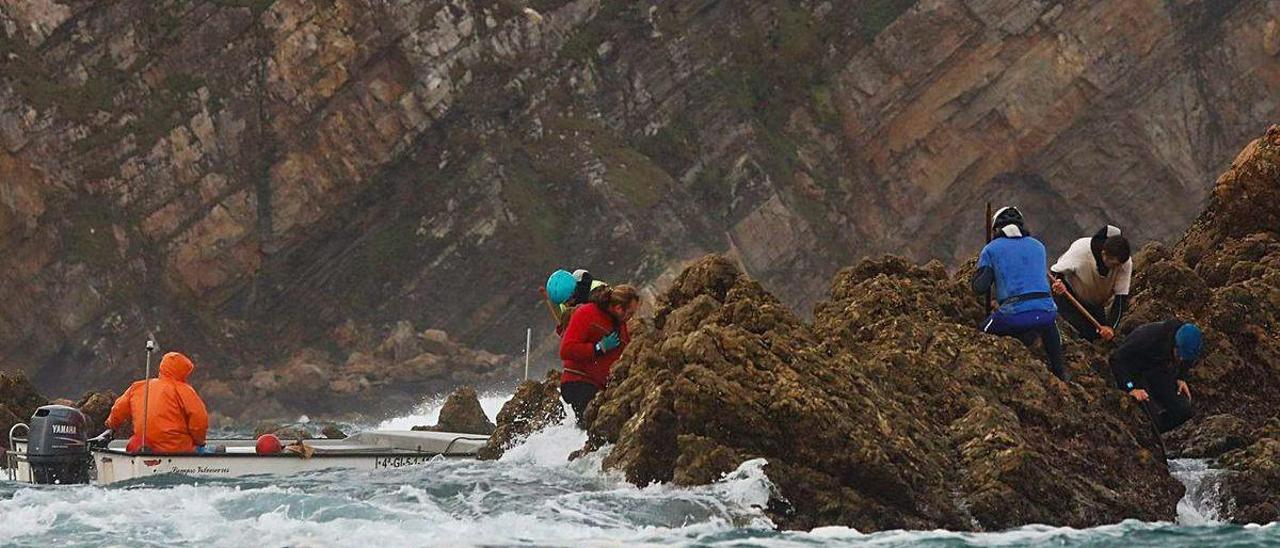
{"points": [[399, 462]]}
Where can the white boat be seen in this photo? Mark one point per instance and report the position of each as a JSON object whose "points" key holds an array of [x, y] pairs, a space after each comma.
{"points": [[373, 451]]}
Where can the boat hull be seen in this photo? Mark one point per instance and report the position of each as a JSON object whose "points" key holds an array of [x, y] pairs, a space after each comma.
{"points": [[114, 467], [368, 451]]}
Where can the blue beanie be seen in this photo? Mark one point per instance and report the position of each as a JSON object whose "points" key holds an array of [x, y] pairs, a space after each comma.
{"points": [[1189, 340], [560, 286]]}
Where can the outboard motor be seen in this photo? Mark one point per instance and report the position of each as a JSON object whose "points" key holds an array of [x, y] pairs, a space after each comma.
{"points": [[56, 447]]}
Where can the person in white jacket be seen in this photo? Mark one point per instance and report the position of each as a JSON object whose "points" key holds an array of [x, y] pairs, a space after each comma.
{"points": [[1097, 271]]}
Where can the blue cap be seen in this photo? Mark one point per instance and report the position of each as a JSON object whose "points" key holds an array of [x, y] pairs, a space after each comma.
{"points": [[1189, 341], [560, 286]]}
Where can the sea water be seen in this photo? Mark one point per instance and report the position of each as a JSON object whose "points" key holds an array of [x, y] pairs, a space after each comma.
{"points": [[531, 497]]}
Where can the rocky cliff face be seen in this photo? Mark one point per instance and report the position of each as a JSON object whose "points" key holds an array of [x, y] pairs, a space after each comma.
{"points": [[243, 176]]}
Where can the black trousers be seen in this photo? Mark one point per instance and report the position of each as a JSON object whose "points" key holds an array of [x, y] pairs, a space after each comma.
{"points": [[1174, 408], [1077, 321], [578, 394]]}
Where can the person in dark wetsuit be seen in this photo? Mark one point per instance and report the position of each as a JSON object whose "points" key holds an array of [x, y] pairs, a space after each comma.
{"points": [[1015, 264], [1152, 364]]}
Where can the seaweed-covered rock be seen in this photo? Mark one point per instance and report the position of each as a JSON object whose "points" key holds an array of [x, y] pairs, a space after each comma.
{"points": [[18, 401], [534, 406], [890, 411], [96, 406], [1209, 437], [1225, 276], [463, 414], [282, 431], [1252, 493]]}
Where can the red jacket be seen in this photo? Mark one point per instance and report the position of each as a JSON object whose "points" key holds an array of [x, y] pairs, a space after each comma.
{"points": [[587, 326]]}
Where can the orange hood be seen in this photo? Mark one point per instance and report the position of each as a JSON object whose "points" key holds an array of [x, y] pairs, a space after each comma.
{"points": [[176, 366]]}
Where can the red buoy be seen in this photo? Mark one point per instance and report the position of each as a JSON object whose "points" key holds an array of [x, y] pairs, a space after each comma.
{"points": [[268, 444]]}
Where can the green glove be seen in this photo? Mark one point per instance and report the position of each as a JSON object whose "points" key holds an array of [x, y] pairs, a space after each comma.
{"points": [[608, 343]]}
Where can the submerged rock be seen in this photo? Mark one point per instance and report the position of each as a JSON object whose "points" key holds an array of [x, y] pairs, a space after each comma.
{"points": [[463, 414], [535, 405], [889, 411]]}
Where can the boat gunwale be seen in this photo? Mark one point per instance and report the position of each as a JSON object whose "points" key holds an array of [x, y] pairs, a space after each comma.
{"points": [[282, 454], [319, 453]]}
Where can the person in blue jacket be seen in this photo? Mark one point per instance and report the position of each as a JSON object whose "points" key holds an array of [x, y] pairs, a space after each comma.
{"points": [[1016, 265]]}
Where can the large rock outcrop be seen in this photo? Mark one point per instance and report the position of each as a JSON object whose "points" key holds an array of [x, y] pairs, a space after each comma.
{"points": [[240, 177], [535, 406], [889, 411], [463, 414], [1252, 482], [1224, 274]]}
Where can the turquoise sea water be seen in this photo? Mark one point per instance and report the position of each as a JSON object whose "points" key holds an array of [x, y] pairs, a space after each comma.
{"points": [[531, 497]]}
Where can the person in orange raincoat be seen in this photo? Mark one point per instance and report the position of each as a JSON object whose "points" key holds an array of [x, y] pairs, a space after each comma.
{"points": [[177, 421]]}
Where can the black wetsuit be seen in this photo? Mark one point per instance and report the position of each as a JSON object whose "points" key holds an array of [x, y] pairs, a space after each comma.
{"points": [[1145, 360]]}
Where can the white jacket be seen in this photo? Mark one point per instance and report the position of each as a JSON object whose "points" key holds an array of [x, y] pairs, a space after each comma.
{"points": [[1080, 268]]}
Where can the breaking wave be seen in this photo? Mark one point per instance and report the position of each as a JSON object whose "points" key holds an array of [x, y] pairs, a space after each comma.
{"points": [[532, 496]]}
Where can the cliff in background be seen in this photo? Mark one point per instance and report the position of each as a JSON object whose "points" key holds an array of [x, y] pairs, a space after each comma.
{"points": [[245, 177]]}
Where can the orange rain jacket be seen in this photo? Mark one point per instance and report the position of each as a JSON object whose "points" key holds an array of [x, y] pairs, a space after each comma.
{"points": [[176, 418]]}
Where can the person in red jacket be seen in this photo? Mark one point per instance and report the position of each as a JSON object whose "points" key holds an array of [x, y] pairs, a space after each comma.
{"points": [[596, 336]]}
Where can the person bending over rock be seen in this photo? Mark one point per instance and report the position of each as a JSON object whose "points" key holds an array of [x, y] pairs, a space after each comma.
{"points": [[595, 338], [1096, 271], [1014, 263], [1152, 364]]}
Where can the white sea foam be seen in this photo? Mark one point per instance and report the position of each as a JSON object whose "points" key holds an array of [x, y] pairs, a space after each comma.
{"points": [[1200, 504], [532, 496], [514, 502], [428, 412], [550, 447]]}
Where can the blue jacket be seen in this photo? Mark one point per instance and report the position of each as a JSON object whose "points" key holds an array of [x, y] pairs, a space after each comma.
{"points": [[1017, 267]]}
